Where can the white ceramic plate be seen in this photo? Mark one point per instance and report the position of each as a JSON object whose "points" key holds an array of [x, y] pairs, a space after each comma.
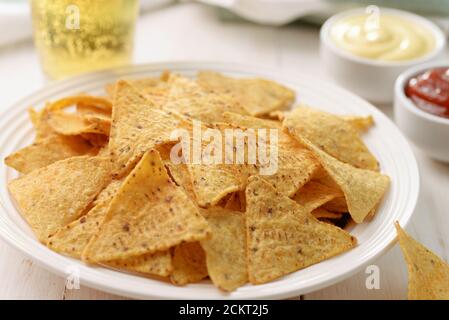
{"points": [[374, 238]]}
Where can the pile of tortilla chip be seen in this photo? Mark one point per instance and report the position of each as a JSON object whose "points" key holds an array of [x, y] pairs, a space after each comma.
{"points": [[106, 181]]}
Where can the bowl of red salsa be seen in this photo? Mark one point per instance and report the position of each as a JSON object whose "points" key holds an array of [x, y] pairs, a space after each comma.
{"points": [[421, 108]]}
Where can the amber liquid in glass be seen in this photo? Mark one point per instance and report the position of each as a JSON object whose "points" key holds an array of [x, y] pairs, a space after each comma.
{"points": [[76, 36]]}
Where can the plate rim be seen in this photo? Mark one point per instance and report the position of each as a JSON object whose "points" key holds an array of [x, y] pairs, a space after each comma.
{"points": [[256, 70]]}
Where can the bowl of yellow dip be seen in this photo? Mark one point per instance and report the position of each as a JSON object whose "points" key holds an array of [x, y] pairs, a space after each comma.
{"points": [[366, 49]]}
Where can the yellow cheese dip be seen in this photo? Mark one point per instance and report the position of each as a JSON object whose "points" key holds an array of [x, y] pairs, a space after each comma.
{"points": [[389, 38]]}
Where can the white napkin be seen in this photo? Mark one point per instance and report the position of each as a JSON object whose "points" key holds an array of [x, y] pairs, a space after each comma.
{"points": [[272, 12]]}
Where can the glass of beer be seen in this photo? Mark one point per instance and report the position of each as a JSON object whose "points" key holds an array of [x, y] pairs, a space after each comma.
{"points": [[76, 36]]}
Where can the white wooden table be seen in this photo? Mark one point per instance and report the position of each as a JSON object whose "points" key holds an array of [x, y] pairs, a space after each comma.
{"points": [[194, 32]]}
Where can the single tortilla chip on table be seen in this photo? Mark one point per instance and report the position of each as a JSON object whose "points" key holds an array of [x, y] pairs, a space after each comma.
{"points": [[363, 189], [47, 151], [189, 263], [69, 187], [137, 126], [283, 237], [193, 101], [257, 96], [226, 248], [332, 134], [148, 214], [428, 275]]}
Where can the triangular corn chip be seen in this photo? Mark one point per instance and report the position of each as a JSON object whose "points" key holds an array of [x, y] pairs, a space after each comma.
{"points": [[363, 189], [314, 194], [333, 134], [54, 196], [283, 237], [191, 100], [226, 248], [295, 164], [158, 263], [74, 124], [257, 96], [428, 275], [148, 214], [137, 126], [189, 263], [46, 151]]}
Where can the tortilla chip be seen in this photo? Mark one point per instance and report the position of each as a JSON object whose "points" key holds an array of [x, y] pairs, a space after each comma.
{"points": [[360, 123], [137, 126], [283, 237], [226, 248], [314, 195], [88, 109], [181, 177], [99, 102], [189, 264], [428, 275], [295, 164], [75, 124], [148, 214], [332, 134], [211, 183], [337, 204], [69, 187], [191, 100], [153, 89], [321, 213], [99, 141], [158, 263], [363, 189], [233, 203], [249, 121], [71, 239], [47, 151], [257, 96]]}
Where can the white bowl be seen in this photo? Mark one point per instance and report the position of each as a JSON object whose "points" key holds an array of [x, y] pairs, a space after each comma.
{"points": [[372, 79], [427, 131]]}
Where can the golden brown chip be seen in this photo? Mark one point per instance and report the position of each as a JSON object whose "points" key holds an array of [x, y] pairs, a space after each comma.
{"points": [[137, 126], [360, 123], [47, 151], [428, 275], [283, 237], [189, 264], [295, 164], [226, 248], [189, 99], [211, 183], [73, 238], [337, 205], [75, 124], [314, 194], [88, 109], [257, 96], [158, 263], [54, 196], [332, 134], [321, 213], [363, 189], [148, 214]]}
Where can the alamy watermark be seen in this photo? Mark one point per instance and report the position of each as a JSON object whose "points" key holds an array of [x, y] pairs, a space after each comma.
{"points": [[209, 146]]}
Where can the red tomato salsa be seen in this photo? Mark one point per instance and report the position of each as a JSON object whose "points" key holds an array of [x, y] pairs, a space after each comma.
{"points": [[430, 91]]}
